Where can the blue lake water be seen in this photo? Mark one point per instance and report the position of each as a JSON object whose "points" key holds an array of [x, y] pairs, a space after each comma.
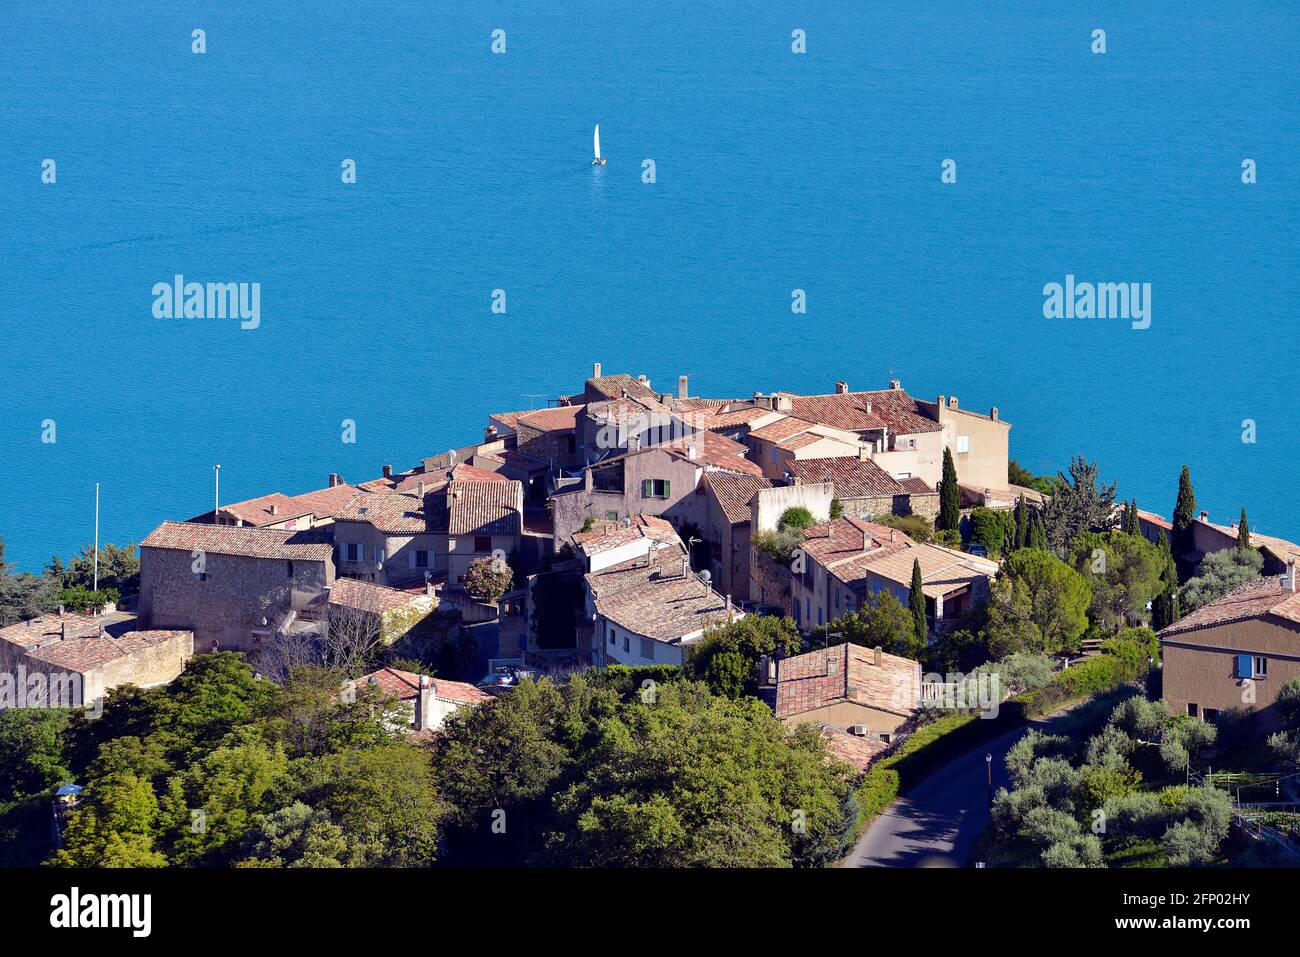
{"points": [[775, 171]]}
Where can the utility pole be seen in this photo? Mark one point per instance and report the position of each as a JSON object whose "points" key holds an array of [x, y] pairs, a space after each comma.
{"points": [[216, 496], [96, 536]]}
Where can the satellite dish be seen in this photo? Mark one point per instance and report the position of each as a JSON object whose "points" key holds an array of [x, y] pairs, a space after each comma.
{"points": [[705, 576]]}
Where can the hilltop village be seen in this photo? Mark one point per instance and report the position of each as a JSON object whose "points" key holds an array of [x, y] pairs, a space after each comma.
{"points": [[823, 553]]}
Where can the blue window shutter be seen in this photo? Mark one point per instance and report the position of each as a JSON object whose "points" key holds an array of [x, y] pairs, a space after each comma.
{"points": [[1245, 666]]}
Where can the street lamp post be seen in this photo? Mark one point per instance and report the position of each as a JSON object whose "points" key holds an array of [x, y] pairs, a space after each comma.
{"points": [[988, 764]]}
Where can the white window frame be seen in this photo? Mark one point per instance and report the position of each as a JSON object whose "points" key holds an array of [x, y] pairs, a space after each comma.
{"points": [[962, 444]]}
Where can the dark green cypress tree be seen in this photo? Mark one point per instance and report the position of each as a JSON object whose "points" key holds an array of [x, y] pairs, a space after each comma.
{"points": [[917, 601], [1131, 526], [1184, 512], [1243, 532], [1037, 531], [949, 495], [1008, 533], [1022, 523]]}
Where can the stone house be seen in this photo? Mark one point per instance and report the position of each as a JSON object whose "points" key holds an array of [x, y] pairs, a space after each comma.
{"points": [[726, 524], [865, 490], [428, 700], [61, 646], [846, 561], [648, 610], [1236, 653], [654, 481], [232, 586], [423, 532], [290, 512], [777, 446], [391, 611], [860, 690]]}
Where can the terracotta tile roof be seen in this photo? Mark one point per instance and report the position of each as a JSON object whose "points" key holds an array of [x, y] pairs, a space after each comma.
{"points": [[807, 681], [855, 750], [321, 503], [712, 451], [1264, 598], [734, 492], [1157, 520], [405, 685], [483, 508], [656, 600], [45, 629], [751, 415], [851, 476], [393, 513], [783, 428], [890, 408], [85, 654], [916, 486], [612, 386], [234, 540], [608, 535], [851, 548], [372, 597], [560, 418]]}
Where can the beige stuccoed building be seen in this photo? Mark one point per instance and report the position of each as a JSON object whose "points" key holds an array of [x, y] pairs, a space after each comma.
{"points": [[1235, 653]]}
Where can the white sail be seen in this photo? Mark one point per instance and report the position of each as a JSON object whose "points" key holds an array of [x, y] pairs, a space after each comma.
{"points": [[597, 141]]}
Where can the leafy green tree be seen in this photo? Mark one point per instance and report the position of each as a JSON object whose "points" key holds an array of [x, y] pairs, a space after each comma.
{"points": [[796, 516], [1038, 603], [913, 526], [1124, 571], [917, 601], [32, 751], [880, 622], [988, 528], [695, 780], [119, 569], [1220, 573], [837, 508], [1078, 505], [114, 826], [296, 836], [949, 518], [1184, 514], [728, 674], [751, 638]]}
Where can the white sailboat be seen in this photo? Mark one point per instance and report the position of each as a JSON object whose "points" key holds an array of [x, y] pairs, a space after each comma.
{"points": [[599, 160]]}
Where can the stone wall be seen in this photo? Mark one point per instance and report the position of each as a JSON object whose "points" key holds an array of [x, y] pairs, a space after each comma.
{"points": [[769, 581]]}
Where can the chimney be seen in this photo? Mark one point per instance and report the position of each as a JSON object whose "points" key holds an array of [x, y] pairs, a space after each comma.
{"points": [[781, 403], [681, 387], [952, 402], [60, 611], [864, 452], [490, 433], [275, 509], [866, 542], [690, 452], [841, 388], [595, 370], [993, 413], [1290, 575], [943, 400], [425, 698], [1205, 516], [895, 384], [893, 534], [335, 479], [868, 407], [877, 656], [428, 586], [832, 665], [388, 471], [419, 489], [686, 567], [586, 479]]}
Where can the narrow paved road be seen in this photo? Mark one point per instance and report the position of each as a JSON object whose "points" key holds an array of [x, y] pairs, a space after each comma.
{"points": [[937, 824]]}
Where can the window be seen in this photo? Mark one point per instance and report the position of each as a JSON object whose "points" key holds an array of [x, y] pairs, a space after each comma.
{"points": [[1192, 710], [656, 488], [482, 543], [421, 558], [379, 554], [647, 649], [351, 552], [963, 444], [1211, 715], [613, 636], [837, 597], [819, 616], [1260, 668], [773, 454], [288, 568], [611, 516], [627, 643]]}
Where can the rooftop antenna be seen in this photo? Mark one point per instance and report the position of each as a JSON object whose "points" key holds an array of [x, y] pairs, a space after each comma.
{"points": [[216, 496], [533, 397]]}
